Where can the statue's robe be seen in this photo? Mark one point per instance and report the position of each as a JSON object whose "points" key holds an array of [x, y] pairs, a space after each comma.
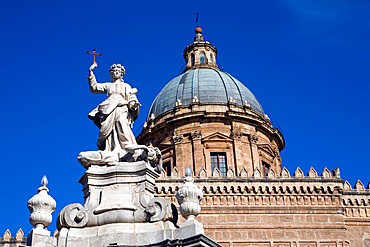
{"points": [[113, 116]]}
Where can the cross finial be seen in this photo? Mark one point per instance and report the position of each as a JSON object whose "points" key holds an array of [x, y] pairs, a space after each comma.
{"points": [[94, 53], [197, 20]]}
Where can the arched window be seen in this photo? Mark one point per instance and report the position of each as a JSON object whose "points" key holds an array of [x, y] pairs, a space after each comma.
{"points": [[202, 58], [212, 60], [192, 59]]}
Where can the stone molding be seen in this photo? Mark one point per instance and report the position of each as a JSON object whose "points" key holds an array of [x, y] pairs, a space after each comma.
{"points": [[258, 186], [262, 194]]}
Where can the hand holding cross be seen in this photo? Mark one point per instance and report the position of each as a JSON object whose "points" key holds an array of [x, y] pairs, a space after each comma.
{"points": [[94, 53], [94, 65]]}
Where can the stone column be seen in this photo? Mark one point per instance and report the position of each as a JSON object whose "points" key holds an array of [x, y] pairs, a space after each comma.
{"points": [[253, 140], [196, 140]]}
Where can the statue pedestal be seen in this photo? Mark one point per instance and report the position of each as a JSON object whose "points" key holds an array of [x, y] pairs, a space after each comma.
{"points": [[120, 193], [126, 186], [120, 209]]}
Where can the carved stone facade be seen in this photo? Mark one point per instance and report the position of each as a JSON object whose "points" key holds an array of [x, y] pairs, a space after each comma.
{"points": [[281, 210], [253, 201], [241, 133]]}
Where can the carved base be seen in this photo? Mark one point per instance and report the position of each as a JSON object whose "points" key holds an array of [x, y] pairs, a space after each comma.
{"points": [[119, 193]]}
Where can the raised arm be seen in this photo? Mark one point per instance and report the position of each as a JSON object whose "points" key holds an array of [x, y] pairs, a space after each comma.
{"points": [[95, 87]]}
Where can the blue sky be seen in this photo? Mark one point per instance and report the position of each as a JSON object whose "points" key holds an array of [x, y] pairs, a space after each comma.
{"points": [[307, 62]]}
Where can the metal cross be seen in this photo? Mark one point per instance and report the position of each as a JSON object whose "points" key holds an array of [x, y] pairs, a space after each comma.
{"points": [[94, 53], [197, 20]]}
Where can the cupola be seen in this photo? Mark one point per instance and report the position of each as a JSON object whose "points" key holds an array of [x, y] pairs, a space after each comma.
{"points": [[200, 54], [207, 119]]}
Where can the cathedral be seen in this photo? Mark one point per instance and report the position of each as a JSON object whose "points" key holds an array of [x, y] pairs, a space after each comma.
{"points": [[209, 121]]}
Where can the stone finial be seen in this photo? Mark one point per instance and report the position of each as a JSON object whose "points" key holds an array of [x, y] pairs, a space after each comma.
{"points": [[244, 172], [271, 173], [230, 172], [347, 186], [163, 173], [232, 100], [326, 173], [312, 173], [298, 173], [359, 185], [175, 172], [336, 172], [189, 196], [41, 206], [246, 103], [19, 235], [7, 235], [216, 173], [198, 37], [202, 173], [285, 173], [188, 172], [257, 173]]}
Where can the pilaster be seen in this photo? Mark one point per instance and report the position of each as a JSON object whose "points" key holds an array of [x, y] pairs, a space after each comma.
{"points": [[196, 138], [253, 140], [179, 149]]}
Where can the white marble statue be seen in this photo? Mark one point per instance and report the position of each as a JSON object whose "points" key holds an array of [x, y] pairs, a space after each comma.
{"points": [[114, 116]]}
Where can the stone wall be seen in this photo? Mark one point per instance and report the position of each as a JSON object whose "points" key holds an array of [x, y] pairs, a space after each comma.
{"points": [[13, 241], [188, 135], [281, 210], [356, 204]]}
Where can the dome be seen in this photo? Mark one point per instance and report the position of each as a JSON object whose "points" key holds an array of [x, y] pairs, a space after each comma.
{"points": [[208, 85]]}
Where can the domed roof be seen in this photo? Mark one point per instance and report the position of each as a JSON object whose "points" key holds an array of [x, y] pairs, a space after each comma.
{"points": [[208, 85]]}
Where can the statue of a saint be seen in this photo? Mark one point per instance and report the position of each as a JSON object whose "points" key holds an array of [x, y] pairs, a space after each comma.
{"points": [[114, 116]]}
